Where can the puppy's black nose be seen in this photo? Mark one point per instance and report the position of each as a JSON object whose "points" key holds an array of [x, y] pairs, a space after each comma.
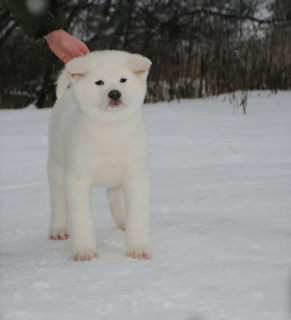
{"points": [[114, 95]]}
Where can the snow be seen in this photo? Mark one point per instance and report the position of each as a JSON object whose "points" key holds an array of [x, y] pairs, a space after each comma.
{"points": [[220, 226]]}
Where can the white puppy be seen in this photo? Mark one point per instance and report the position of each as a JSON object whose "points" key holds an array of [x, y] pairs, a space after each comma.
{"points": [[97, 137]]}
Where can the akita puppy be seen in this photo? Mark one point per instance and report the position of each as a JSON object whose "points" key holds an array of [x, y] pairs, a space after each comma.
{"points": [[97, 137]]}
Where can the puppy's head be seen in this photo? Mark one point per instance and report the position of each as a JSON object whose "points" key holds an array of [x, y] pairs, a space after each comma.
{"points": [[109, 85]]}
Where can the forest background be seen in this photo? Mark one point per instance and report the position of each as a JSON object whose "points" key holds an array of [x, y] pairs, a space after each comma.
{"points": [[198, 48]]}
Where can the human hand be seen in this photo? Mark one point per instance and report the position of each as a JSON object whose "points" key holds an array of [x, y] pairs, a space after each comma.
{"points": [[65, 46]]}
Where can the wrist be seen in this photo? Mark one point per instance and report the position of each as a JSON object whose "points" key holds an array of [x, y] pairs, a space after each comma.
{"points": [[54, 35]]}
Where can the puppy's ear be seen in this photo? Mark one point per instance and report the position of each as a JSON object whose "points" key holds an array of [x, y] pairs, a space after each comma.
{"points": [[73, 71], [139, 65], [77, 68], [62, 84]]}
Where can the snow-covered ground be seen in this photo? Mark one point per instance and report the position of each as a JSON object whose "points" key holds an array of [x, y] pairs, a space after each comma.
{"points": [[220, 228]]}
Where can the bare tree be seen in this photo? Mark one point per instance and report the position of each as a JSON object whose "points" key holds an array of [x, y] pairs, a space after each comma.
{"points": [[198, 47]]}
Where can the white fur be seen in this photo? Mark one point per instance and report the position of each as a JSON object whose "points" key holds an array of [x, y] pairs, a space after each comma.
{"points": [[95, 143]]}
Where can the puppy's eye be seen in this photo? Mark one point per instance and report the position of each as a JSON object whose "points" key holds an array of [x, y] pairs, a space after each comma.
{"points": [[99, 83], [122, 80]]}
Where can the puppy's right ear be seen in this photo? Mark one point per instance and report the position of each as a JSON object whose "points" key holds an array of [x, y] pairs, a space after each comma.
{"points": [[62, 84], [73, 71], [77, 68]]}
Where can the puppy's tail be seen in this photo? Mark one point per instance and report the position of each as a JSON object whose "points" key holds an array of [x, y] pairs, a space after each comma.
{"points": [[62, 84]]}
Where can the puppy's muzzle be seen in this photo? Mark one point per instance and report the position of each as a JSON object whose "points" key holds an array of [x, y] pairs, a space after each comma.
{"points": [[115, 99]]}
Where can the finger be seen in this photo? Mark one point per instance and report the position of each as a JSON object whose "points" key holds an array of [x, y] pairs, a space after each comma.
{"points": [[84, 49], [77, 51]]}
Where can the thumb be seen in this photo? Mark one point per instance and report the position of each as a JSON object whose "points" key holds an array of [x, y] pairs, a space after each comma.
{"points": [[84, 49], [77, 51]]}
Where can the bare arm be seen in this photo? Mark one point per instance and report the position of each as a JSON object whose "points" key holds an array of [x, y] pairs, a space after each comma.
{"points": [[65, 46]]}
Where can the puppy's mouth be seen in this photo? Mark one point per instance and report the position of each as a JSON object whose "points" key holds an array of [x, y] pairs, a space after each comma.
{"points": [[115, 104]]}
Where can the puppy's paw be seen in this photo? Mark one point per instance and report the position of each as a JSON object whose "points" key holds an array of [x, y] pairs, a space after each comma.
{"points": [[142, 253], [85, 255], [121, 226], [59, 234]]}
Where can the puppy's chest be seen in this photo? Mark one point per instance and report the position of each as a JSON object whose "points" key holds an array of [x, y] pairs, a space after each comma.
{"points": [[107, 152], [109, 173], [109, 161]]}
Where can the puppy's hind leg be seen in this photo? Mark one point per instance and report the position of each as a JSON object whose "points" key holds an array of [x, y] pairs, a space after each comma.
{"points": [[59, 224], [117, 203]]}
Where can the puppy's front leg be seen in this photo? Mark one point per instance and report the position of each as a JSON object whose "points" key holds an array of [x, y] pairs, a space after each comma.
{"points": [[78, 196], [58, 224], [118, 206], [137, 191]]}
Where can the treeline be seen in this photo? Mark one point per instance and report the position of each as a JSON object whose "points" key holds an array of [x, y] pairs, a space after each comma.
{"points": [[198, 47]]}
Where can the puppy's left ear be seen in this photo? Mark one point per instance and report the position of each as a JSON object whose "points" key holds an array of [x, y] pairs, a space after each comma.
{"points": [[139, 65], [77, 68]]}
